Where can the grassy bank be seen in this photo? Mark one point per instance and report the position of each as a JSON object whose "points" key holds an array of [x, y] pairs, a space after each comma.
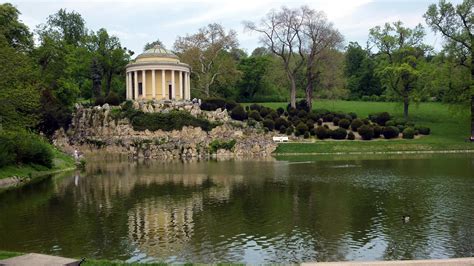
{"points": [[450, 127], [61, 162]]}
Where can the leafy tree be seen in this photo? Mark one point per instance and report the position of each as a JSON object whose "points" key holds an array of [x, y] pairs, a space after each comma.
{"points": [[360, 72], [253, 71], [206, 52], [456, 24], [150, 45], [15, 32]]}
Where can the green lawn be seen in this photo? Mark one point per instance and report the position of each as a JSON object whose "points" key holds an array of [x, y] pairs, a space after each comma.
{"points": [[450, 127], [61, 162]]}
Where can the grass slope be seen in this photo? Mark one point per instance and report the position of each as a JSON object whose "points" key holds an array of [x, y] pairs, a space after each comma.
{"points": [[61, 162], [450, 127]]}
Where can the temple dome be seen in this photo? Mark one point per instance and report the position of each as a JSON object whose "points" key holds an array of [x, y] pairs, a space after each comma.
{"points": [[156, 52]]}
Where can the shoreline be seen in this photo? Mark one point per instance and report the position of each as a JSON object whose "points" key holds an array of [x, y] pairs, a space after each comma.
{"points": [[376, 152], [18, 181]]}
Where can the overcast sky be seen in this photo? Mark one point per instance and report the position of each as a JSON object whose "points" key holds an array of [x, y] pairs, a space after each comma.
{"points": [[139, 22]]}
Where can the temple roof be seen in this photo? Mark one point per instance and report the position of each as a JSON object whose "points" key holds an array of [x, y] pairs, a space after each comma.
{"points": [[157, 51]]}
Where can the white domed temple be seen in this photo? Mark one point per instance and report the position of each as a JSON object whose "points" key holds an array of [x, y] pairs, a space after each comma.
{"points": [[158, 74]]}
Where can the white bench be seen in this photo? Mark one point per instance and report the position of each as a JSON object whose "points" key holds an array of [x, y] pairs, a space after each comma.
{"points": [[280, 139]]}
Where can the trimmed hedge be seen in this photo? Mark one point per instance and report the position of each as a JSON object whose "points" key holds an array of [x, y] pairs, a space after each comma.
{"points": [[322, 133], [377, 131], [344, 123], [238, 113], [269, 124], [408, 133], [212, 104], [390, 132], [423, 130], [301, 128], [338, 133], [350, 136], [380, 118], [356, 123], [255, 115], [174, 120], [366, 132]]}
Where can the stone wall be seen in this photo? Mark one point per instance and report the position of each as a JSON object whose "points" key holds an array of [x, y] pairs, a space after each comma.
{"points": [[94, 129]]}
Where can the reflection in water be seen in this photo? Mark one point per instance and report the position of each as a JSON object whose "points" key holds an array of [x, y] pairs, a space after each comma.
{"points": [[292, 210]]}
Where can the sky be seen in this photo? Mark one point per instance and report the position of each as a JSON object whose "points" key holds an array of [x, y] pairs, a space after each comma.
{"points": [[141, 21]]}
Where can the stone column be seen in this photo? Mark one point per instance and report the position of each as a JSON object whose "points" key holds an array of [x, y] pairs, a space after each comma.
{"points": [[173, 94], [180, 73], [188, 85], [136, 84], [143, 83], [153, 89], [126, 85], [129, 86], [163, 83]]}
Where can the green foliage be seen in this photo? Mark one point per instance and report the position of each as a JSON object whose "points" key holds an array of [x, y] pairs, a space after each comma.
{"points": [[350, 135], [216, 145], [238, 113], [356, 123], [423, 130], [279, 122], [380, 118], [212, 104], [377, 131], [322, 133], [290, 130], [14, 31], [339, 133], [301, 128], [344, 123], [366, 132], [269, 124], [390, 132], [306, 135], [174, 120], [255, 115], [408, 133], [112, 99], [21, 147]]}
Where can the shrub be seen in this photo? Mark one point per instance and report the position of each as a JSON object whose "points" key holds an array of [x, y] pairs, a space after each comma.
{"points": [[306, 135], [351, 136], [319, 122], [335, 121], [366, 121], [112, 99], [301, 128], [401, 128], [339, 133], [212, 104], [289, 130], [292, 111], [400, 121], [285, 114], [273, 115], [280, 110], [423, 130], [99, 101], [366, 132], [255, 107], [255, 115], [282, 129], [390, 132], [24, 148], [269, 124], [265, 111], [312, 131], [390, 123], [247, 108], [356, 123], [313, 116], [352, 115], [322, 133], [310, 124], [344, 123], [279, 122], [377, 131], [217, 145], [302, 114], [328, 117], [238, 113], [380, 118], [174, 120], [408, 133]]}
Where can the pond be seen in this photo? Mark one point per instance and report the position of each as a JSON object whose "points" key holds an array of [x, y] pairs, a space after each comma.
{"points": [[288, 209]]}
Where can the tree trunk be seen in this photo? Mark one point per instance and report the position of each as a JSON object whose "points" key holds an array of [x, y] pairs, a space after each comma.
{"points": [[309, 95], [472, 89], [293, 92], [206, 90], [405, 107], [108, 85]]}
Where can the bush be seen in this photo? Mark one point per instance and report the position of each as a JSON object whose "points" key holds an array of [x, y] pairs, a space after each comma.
{"points": [[282, 129], [255, 115], [351, 136], [322, 133], [312, 131], [302, 114], [390, 123], [230, 105], [292, 111], [289, 130], [377, 131], [280, 110], [366, 121], [306, 135], [356, 123], [174, 120], [212, 104], [352, 115], [279, 122], [408, 133], [238, 113], [380, 118], [265, 111], [310, 124], [319, 122], [24, 148], [313, 116], [269, 124], [255, 107], [217, 145], [390, 132], [99, 101], [339, 133], [328, 117], [112, 99], [344, 123], [301, 128], [366, 132], [423, 130], [273, 115], [335, 121]]}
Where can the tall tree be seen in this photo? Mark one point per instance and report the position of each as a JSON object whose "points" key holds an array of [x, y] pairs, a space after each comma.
{"points": [[16, 33], [150, 45], [360, 72], [205, 52], [318, 36], [456, 24], [281, 33], [401, 49]]}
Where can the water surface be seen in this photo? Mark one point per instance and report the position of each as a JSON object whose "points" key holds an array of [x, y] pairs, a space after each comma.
{"points": [[289, 209]]}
